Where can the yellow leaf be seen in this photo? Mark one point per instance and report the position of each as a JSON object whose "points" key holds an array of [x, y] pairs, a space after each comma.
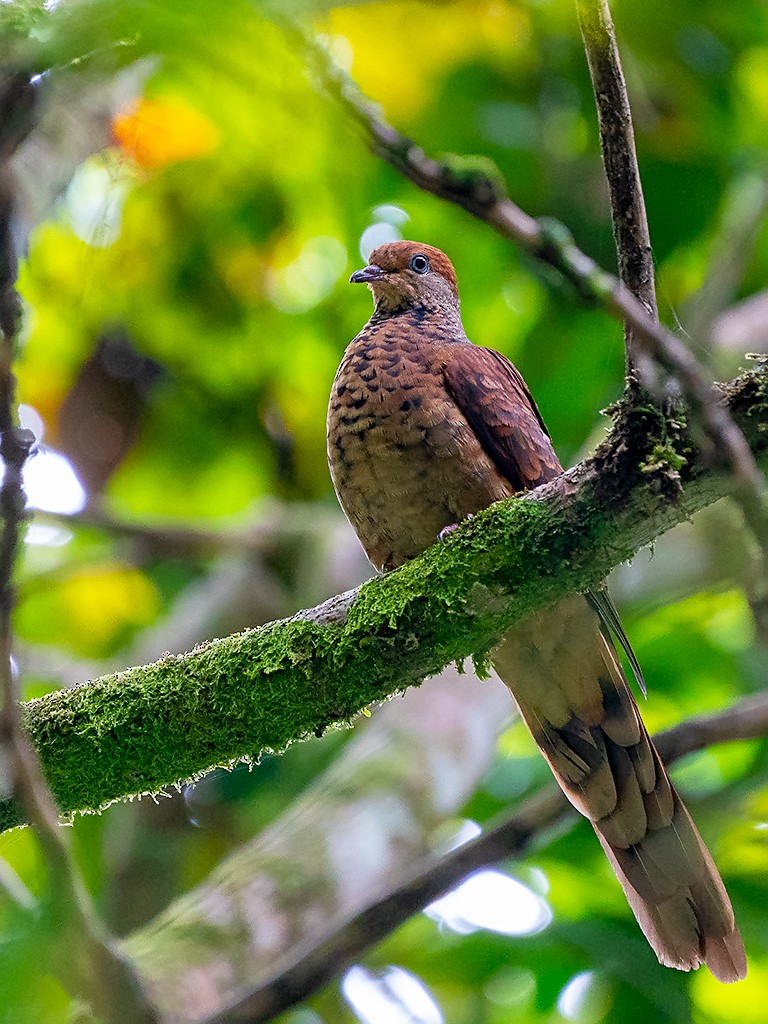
{"points": [[400, 50]]}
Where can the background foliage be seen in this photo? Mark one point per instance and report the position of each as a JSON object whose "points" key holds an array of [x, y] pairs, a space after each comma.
{"points": [[194, 205]]}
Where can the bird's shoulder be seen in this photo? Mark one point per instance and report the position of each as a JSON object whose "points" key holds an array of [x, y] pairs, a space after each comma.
{"points": [[493, 396]]}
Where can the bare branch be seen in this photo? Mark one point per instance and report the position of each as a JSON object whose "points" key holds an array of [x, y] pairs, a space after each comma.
{"points": [[319, 958], [744, 721], [281, 523], [630, 223]]}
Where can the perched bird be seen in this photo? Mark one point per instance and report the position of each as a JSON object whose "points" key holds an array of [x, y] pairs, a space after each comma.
{"points": [[425, 428]]}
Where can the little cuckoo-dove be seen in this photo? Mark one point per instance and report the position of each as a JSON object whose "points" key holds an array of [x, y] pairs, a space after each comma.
{"points": [[425, 428]]}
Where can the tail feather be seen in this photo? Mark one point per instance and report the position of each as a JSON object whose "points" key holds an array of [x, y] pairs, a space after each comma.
{"points": [[572, 693], [725, 957]]}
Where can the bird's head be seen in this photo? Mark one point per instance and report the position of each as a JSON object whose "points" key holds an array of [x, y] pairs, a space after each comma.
{"points": [[403, 275]]}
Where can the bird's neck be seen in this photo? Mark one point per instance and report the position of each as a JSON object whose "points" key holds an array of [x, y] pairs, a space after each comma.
{"points": [[443, 319]]}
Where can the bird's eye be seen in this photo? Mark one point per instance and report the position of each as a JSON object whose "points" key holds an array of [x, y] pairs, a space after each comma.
{"points": [[420, 263]]}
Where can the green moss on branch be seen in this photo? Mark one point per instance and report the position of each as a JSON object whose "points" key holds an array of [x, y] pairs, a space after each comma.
{"points": [[232, 699]]}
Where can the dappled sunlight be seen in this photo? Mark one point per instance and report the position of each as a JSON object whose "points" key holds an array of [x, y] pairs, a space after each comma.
{"points": [[95, 199], [393, 997], [51, 483], [309, 278], [47, 536], [387, 225], [492, 901], [584, 999]]}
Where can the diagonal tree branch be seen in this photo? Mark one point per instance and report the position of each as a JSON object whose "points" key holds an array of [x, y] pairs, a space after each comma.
{"points": [[742, 218], [345, 838], [323, 956], [154, 725]]}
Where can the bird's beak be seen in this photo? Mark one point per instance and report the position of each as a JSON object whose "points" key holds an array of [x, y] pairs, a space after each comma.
{"points": [[368, 274]]}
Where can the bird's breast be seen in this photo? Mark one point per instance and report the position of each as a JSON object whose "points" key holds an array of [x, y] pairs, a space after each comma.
{"points": [[404, 461]]}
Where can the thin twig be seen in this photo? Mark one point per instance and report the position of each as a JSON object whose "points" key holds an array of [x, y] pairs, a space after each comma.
{"points": [[741, 222], [317, 960], [746, 720], [13, 889], [617, 141], [279, 523]]}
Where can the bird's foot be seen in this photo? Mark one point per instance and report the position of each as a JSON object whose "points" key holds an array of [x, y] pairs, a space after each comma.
{"points": [[448, 530]]}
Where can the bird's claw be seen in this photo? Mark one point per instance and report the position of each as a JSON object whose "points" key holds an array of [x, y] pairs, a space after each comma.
{"points": [[448, 530]]}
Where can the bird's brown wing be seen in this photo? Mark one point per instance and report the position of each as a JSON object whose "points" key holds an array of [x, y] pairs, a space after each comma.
{"points": [[496, 402]]}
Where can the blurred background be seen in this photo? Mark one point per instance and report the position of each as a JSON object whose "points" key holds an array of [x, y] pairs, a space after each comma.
{"points": [[190, 208]]}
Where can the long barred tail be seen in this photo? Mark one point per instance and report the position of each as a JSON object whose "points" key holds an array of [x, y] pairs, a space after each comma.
{"points": [[574, 697]]}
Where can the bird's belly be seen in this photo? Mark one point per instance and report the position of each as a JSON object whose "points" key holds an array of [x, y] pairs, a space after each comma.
{"points": [[404, 475]]}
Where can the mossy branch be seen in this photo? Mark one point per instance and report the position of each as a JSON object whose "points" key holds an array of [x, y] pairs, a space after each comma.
{"points": [[231, 699]]}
